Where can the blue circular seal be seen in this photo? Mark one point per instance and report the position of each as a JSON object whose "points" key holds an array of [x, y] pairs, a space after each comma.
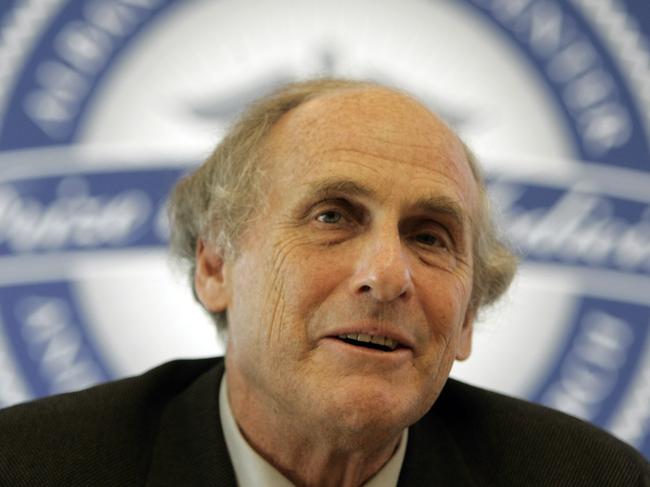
{"points": [[588, 229]]}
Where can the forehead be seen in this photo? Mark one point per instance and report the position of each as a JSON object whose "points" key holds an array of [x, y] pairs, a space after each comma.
{"points": [[374, 135]]}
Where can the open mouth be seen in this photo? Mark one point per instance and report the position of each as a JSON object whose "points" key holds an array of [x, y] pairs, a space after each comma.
{"points": [[381, 343]]}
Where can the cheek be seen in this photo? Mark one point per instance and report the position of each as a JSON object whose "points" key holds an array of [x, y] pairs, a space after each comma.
{"points": [[256, 304], [312, 279], [445, 302], [275, 295], [245, 309]]}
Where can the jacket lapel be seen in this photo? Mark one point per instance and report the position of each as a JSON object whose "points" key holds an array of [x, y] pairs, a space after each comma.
{"points": [[433, 457], [190, 448]]}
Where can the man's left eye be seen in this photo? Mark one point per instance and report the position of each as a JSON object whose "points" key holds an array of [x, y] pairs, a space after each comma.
{"points": [[330, 216], [429, 240]]}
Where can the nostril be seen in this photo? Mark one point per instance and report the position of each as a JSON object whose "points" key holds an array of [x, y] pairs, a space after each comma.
{"points": [[365, 288]]}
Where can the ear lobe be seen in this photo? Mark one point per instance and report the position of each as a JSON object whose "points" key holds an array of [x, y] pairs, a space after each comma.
{"points": [[210, 278], [464, 348]]}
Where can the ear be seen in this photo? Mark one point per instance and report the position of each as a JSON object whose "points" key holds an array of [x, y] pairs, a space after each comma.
{"points": [[464, 348], [211, 280]]}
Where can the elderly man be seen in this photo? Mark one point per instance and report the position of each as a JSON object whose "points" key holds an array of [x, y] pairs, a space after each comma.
{"points": [[340, 235]]}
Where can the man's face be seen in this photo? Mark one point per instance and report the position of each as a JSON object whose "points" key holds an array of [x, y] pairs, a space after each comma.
{"points": [[366, 233]]}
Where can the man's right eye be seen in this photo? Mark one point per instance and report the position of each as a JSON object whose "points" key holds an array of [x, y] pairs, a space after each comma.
{"points": [[330, 217]]}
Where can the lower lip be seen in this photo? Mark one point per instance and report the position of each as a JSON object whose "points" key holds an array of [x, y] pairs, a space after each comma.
{"points": [[347, 351]]}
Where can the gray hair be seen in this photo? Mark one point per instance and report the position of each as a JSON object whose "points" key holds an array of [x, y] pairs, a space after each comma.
{"points": [[215, 202]]}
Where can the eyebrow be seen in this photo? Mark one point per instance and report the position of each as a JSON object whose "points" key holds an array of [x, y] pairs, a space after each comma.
{"points": [[441, 205], [326, 187], [438, 204]]}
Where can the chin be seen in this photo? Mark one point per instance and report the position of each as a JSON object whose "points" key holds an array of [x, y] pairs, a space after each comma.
{"points": [[363, 409]]}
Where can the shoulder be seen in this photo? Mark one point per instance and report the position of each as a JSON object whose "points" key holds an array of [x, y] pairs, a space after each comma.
{"points": [[115, 402], [78, 433], [508, 437]]}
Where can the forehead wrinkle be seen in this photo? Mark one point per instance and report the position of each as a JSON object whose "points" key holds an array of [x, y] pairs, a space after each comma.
{"points": [[344, 155], [444, 141], [440, 165]]}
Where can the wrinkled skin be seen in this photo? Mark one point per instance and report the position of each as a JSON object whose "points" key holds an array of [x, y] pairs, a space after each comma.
{"points": [[367, 224]]}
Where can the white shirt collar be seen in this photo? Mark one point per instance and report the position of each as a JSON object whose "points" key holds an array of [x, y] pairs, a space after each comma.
{"points": [[253, 470]]}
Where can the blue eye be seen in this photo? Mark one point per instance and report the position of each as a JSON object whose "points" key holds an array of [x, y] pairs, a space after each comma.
{"points": [[330, 216]]}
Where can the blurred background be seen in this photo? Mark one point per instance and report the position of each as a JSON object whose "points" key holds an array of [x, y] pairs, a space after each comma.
{"points": [[105, 103]]}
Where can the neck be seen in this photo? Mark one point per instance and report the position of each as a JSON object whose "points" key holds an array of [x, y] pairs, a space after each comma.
{"points": [[309, 453]]}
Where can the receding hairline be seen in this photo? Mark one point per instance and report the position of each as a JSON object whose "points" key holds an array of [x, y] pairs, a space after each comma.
{"points": [[340, 95], [408, 103]]}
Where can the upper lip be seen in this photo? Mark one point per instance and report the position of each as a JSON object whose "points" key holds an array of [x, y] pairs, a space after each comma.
{"points": [[376, 329]]}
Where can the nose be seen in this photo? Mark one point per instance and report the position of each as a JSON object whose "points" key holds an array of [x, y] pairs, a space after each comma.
{"points": [[382, 270]]}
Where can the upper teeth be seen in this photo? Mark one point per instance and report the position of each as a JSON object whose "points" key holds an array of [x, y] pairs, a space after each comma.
{"points": [[379, 340]]}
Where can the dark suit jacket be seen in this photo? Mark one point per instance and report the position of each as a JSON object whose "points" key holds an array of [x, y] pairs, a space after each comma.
{"points": [[163, 429]]}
